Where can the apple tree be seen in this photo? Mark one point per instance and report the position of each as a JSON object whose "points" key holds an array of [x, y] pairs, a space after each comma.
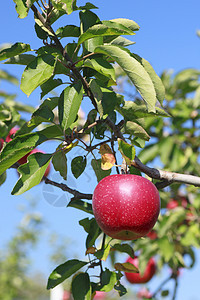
{"points": [[159, 120]]}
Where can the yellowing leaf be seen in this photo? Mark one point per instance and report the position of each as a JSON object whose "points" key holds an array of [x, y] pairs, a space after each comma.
{"points": [[126, 267], [90, 250], [107, 157]]}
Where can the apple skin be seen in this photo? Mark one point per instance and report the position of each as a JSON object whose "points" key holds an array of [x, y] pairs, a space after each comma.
{"points": [[126, 206], [148, 273]]}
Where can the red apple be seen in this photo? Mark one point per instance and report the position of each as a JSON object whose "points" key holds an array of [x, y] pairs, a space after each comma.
{"points": [[152, 235], [125, 206], [172, 204], [148, 273], [100, 295]]}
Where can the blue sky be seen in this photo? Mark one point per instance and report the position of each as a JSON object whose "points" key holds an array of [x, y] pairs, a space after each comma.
{"points": [[167, 39]]}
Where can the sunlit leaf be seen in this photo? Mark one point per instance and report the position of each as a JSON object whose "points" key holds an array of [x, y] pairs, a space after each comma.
{"points": [[15, 49], [69, 103], [31, 172], [134, 70], [127, 151], [37, 72]]}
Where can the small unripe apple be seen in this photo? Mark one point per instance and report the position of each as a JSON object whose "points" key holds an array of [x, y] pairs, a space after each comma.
{"points": [[137, 277], [126, 206]]}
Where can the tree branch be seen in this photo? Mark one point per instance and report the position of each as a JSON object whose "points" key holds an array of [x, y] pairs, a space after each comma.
{"points": [[166, 177], [65, 188]]}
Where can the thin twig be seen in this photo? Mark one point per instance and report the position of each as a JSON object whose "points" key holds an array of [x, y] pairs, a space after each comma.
{"points": [[65, 188]]}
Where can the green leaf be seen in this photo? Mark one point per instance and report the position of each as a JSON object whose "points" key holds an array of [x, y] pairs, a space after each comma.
{"points": [[37, 72], [103, 253], [8, 77], [100, 174], [69, 103], [196, 100], [3, 178], [127, 23], [82, 205], [132, 110], [107, 28], [22, 7], [70, 6], [21, 145], [175, 217], [158, 85], [98, 95], [120, 289], [108, 280], [21, 59], [15, 49], [81, 289], [102, 66], [41, 33], [87, 6], [85, 223], [19, 106], [119, 41], [125, 248], [49, 85], [44, 31], [94, 232], [78, 165], [88, 19], [136, 130], [42, 114], [166, 248], [134, 70], [60, 163], [149, 153], [68, 31], [127, 151], [64, 271], [31, 172]]}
